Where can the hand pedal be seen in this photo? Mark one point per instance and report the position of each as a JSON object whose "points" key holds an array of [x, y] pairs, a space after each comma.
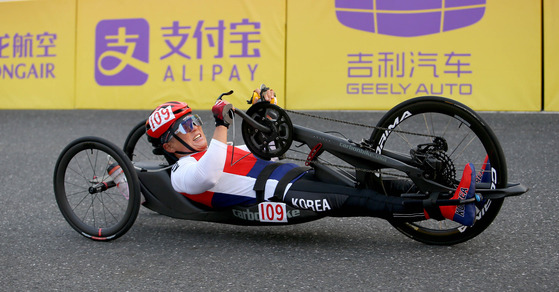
{"points": [[227, 113]]}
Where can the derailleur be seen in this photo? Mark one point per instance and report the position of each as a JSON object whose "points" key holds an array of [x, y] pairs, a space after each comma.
{"points": [[437, 165]]}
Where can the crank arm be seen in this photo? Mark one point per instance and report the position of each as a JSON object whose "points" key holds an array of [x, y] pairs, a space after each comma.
{"points": [[252, 122]]}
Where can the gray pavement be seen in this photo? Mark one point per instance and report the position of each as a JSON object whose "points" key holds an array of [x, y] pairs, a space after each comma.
{"points": [[40, 251]]}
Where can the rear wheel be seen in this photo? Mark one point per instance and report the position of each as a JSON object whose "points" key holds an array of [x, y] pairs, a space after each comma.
{"points": [[138, 148], [469, 139], [88, 197]]}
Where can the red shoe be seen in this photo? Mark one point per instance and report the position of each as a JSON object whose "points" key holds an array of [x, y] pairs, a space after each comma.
{"points": [[463, 214]]}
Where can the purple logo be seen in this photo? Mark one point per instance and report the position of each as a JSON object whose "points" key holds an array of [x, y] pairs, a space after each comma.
{"points": [[121, 52], [409, 18]]}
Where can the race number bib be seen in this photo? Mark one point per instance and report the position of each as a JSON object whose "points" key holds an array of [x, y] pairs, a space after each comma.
{"points": [[272, 212], [160, 117]]}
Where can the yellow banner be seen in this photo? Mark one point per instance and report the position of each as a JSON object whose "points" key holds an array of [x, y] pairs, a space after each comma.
{"points": [[349, 54], [551, 58], [37, 41], [132, 56]]}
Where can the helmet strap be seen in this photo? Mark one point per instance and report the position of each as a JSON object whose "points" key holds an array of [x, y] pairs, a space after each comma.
{"points": [[185, 145]]}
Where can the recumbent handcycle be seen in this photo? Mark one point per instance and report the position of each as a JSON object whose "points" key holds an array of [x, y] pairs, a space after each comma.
{"points": [[424, 141]]}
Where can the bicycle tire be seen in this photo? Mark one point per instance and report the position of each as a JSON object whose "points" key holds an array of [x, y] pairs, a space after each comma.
{"points": [[137, 147], [103, 215], [459, 121]]}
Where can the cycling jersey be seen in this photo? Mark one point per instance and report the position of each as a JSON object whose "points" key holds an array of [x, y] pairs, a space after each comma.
{"points": [[217, 179]]}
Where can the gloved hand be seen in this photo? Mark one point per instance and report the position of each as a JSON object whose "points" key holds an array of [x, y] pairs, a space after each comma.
{"points": [[219, 110], [263, 94]]}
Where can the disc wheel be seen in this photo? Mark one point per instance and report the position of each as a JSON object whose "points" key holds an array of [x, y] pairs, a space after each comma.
{"points": [[268, 145], [88, 197], [469, 139]]}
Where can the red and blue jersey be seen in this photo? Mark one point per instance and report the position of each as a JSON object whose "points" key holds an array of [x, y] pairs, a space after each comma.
{"points": [[223, 176]]}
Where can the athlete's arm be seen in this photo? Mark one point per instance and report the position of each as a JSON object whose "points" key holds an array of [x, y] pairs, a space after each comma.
{"points": [[193, 176]]}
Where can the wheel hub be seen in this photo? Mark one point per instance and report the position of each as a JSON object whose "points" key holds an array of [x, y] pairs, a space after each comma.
{"points": [[437, 165]]}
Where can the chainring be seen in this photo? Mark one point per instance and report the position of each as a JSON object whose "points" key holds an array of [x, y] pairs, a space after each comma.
{"points": [[275, 143]]}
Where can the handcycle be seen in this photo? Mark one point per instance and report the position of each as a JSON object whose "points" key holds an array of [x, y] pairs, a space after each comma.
{"points": [[423, 142]]}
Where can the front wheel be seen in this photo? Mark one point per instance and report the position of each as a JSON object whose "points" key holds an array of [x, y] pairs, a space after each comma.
{"points": [[424, 120], [96, 188]]}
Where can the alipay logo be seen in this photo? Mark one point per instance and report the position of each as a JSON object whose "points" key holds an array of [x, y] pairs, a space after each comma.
{"points": [[409, 18], [121, 52]]}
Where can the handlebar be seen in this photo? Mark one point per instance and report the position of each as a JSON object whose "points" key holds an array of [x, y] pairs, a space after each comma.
{"points": [[225, 93]]}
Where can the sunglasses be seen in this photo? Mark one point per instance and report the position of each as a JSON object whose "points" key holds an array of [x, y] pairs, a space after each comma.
{"points": [[187, 125]]}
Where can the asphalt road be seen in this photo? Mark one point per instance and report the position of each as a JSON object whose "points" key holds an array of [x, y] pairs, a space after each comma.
{"points": [[40, 251]]}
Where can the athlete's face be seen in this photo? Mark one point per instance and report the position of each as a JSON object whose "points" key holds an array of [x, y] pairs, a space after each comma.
{"points": [[195, 138]]}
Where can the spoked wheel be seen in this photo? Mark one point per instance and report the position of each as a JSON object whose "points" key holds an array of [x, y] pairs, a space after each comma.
{"points": [[95, 200], [138, 148], [469, 139]]}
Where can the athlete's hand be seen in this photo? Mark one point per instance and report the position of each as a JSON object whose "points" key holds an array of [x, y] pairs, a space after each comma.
{"points": [[269, 95], [220, 110]]}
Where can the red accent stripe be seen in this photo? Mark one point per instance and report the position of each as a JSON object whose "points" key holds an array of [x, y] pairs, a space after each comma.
{"points": [[114, 169], [198, 155], [243, 165], [203, 198]]}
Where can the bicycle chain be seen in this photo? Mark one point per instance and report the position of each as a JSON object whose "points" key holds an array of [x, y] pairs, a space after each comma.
{"points": [[358, 125]]}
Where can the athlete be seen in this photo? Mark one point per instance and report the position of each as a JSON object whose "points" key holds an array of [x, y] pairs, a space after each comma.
{"points": [[220, 175]]}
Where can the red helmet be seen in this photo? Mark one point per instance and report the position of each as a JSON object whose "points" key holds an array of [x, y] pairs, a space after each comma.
{"points": [[163, 117]]}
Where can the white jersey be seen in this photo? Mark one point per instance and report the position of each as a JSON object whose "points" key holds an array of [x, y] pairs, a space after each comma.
{"points": [[216, 179]]}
